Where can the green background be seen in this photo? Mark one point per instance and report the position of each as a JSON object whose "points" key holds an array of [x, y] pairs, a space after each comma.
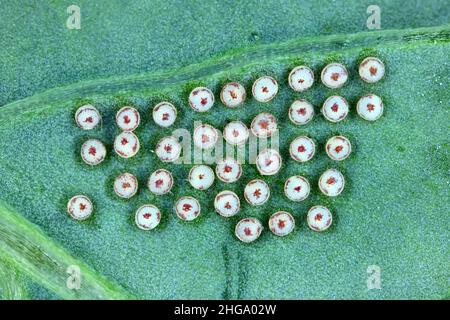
{"points": [[393, 212]]}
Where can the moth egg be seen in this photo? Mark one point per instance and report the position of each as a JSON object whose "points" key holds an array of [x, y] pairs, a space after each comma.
{"points": [[297, 188], [228, 170], [227, 203], [268, 162], [236, 133], [370, 107], [302, 149], [338, 148], [319, 218], [87, 117], [187, 208], [334, 75], [265, 89], [335, 108], [301, 78], [147, 217], [168, 149], [331, 182], [126, 144], [160, 182], [264, 125], [201, 99], [281, 223], [201, 177], [301, 112], [256, 192], [80, 207], [128, 118], [93, 152], [164, 114], [205, 136], [248, 230], [371, 70], [232, 95], [125, 185]]}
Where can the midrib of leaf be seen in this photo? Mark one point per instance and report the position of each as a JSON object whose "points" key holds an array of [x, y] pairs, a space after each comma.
{"points": [[11, 286], [232, 61], [26, 248]]}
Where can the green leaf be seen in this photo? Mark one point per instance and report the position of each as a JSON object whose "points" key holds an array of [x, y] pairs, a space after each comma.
{"points": [[391, 214]]}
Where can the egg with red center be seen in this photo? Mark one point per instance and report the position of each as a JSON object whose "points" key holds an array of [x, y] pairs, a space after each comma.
{"points": [[335, 108], [256, 192], [164, 114], [302, 149], [338, 148], [87, 117], [125, 185], [205, 136], [319, 218], [371, 69], [301, 78], [201, 99], [93, 152], [147, 217], [264, 125], [227, 203], [301, 112], [80, 207], [201, 177], [128, 118], [160, 182], [236, 133], [265, 89], [332, 182], [297, 188], [281, 223], [187, 208], [370, 107], [233, 94], [248, 230], [268, 162], [334, 75], [126, 144], [228, 170], [168, 149]]}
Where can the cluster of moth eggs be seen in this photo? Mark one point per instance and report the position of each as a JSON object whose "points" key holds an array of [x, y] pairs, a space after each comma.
{"points": [[268, 161]]}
